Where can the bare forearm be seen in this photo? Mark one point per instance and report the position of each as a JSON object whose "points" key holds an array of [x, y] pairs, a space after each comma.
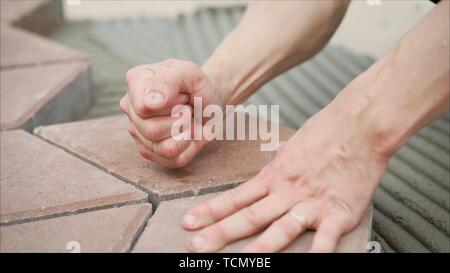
{"points": [[407, 88], [271, 38]]}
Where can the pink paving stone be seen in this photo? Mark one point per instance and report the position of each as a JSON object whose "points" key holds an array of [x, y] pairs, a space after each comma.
{"points": [[107, 143], [39, 180], [164, 233], [39, 16], [109, 230], [20, 48], [47, 94]]}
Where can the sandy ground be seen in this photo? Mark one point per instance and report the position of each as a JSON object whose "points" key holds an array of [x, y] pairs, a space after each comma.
{"points": [[367, 27]]}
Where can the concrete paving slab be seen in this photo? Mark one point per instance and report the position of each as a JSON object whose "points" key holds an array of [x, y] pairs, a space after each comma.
{"points": [[39, 16], [39, 180], [40, 95], [106, 143], [109, 230], [164, 233], [21, 48]]}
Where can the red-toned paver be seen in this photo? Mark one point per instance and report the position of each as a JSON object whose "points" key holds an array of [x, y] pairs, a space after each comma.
{"points": [[41, 81], [107, 143], [39, 180], [164, 232], [109, 230], [39, 16], [22, 48], [38, 95]]}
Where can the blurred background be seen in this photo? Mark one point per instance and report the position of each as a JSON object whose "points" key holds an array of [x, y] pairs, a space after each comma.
{"points": [[121, 34]]}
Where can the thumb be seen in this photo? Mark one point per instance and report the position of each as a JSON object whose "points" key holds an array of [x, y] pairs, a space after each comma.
{"points": [[161, 95]]}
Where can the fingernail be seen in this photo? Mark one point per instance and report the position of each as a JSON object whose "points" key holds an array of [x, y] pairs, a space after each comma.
{"points": [[189, 220], [197, 243], [154, 98]]}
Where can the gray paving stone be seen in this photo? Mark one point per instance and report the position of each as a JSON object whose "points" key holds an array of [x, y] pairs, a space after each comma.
{"points": [[164, 232], [107, 143], [39, 180], [109, 230]]}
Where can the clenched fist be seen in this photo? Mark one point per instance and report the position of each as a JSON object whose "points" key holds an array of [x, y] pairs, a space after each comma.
{"points": [[153, 91]]}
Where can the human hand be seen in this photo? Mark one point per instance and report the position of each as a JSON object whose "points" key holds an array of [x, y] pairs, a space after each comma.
{"points": [[153, 90], [323, 179]]}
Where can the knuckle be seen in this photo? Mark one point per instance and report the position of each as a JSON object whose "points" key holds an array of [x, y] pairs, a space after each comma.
{"points": [[311, 187], [129, 75], [122, 104], [190, 64], [206, 207], [219, 232], [233, 197], [170, 61], [165, 77], [150, 132], [131, 130], [140, 109], [340, 205], [251, 217], [290, 230], [144, 152], [181, 161], [168, 149]]}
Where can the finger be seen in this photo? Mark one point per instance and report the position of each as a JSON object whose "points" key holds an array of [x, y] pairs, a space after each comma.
{"points": [[139, 138], [183, 159], [124, 105], [243, 223], [154, 128], [286, 229], [145, 149], [179, 161], [171, 147], [150, 92], [328, 234], [225, 204], [168, 82], [280, 146], [138, 79], [190, 152]]}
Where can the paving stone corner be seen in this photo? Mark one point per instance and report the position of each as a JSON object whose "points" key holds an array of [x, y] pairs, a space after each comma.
{"points": [[41, 95], [40, 181], [23, 48], [41, 82], [38, 16]]}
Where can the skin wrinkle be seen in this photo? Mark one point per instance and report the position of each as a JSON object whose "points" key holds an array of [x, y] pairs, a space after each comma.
{"points": [[337, 158]]}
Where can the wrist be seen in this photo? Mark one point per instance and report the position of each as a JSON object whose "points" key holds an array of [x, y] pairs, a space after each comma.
{"points": [[216, 70], [367, 102]]}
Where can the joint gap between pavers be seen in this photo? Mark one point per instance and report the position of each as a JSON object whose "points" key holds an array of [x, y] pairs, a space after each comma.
{"points": [[220, 188], [153, 198], [75, 212], [150, 194], [140, 230]]}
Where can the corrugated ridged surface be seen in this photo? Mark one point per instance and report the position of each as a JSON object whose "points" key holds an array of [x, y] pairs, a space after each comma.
{"points": [[413, 202]]}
